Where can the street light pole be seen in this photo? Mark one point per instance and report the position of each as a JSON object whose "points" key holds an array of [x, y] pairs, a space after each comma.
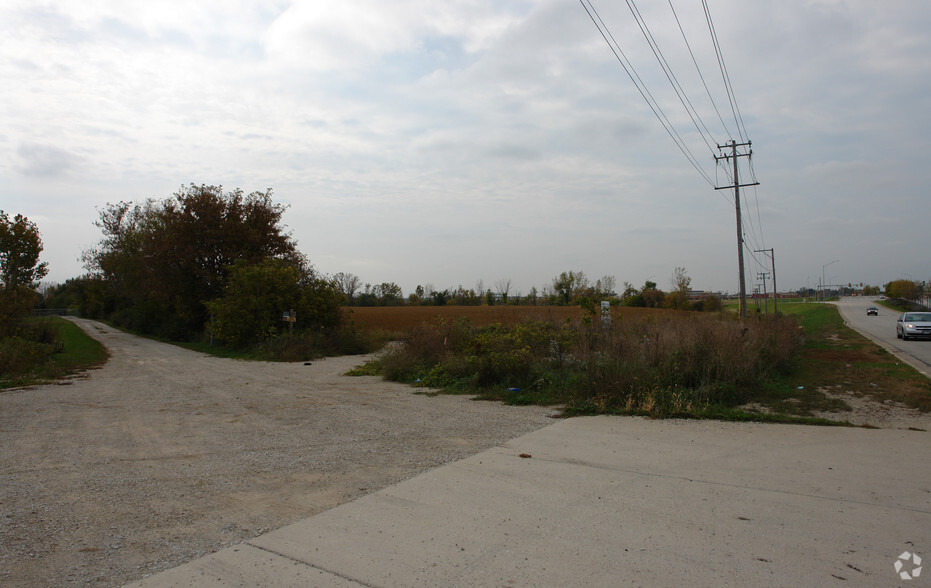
{"points": [[823, 284]]}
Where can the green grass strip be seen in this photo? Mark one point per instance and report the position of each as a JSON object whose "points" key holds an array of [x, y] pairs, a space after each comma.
{"points": [[78, 352]]}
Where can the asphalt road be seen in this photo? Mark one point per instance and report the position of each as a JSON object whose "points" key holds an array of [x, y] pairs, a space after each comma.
{"points": [[881, 329]]}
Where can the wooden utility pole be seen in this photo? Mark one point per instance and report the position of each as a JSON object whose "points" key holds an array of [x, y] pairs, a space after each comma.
{"points": [[772, 257], [762, 276], [740, 236]]}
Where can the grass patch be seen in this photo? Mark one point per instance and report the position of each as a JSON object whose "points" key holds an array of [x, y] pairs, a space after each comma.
{"points": [[895, 305], [836, 359], [900, 305], [46, 349]]}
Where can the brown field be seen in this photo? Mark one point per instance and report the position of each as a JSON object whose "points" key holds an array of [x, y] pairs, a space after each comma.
{"points": [[405, 318]]}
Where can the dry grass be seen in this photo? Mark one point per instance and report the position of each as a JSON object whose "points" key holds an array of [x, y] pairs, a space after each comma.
{"points": [[696, 364], [656, 362]]}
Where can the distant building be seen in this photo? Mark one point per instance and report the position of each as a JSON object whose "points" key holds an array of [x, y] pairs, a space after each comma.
{"points": [[703, 295]]}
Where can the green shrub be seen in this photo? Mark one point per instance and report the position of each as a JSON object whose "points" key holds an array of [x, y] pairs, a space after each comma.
{"points": [[45, 349], [45, 332], [16, 303], [256, 296], [19, 356], [425, 347]]}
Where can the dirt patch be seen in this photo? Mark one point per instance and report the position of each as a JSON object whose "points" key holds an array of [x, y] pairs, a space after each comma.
{"points": [[861, 410], [865, 411], [165, 455]]}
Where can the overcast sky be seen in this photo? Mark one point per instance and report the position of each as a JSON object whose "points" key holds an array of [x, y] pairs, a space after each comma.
{"points": [[450, 142]]}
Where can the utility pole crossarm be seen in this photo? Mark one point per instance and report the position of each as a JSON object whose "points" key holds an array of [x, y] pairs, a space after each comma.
{"points": [[735, 155], [731, 187]]}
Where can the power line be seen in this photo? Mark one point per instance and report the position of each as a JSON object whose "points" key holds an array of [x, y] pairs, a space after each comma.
{"points": [[727, 82], [674, 82], [727, 173], [641, 87], [698, 69], [756, 202], [752, 170], [756, 240]]}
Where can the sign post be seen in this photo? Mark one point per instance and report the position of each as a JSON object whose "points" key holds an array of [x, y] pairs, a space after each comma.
{"points": [[290, 318]]}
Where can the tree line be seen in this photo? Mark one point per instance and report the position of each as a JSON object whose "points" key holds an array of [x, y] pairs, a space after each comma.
{"points": [[567, 288], [910, 291]]}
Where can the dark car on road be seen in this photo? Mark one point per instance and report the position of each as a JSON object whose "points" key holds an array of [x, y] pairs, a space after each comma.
{"points": [[913, 324], [872, 311]]}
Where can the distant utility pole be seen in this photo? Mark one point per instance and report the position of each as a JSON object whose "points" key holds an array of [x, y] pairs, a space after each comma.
{"points": [[740, 237], [762, 276], [823, 281], [772, 257]]}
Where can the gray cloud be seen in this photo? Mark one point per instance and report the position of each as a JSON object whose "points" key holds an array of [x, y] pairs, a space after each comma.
{"points": [[45, 161]]}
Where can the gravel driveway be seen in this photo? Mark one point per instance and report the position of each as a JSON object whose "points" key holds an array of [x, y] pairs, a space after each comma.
{"points": [[165, 455]]}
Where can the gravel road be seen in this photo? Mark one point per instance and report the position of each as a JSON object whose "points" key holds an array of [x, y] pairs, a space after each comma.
{"points": [[165, 455]]}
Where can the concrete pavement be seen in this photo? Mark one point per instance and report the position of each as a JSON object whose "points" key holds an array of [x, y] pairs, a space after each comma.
{"points": [[617, 501]]}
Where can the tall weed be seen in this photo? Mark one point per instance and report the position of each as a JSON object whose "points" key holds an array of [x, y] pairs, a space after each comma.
{"points": [[346, 339], [676, 364], [19, 356]]}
